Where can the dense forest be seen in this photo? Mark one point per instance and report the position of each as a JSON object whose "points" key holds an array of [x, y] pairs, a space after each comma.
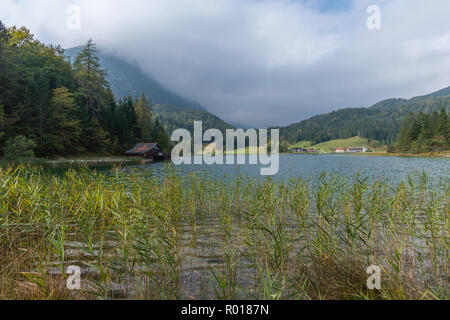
{"points": [[424, 133], [58, 108], [381, 122]]}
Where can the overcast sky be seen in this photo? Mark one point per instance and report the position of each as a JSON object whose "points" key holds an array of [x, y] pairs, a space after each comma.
{"points": [[262, 62]]}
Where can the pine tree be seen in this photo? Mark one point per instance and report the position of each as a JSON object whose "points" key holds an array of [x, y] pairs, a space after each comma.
{"points": [[66, 126], [116, 146], [443, 127], [95, 95], [4, 39], [91, 79], [161, 136], [10, 92], [94, 138], [405, 137], [126, 123], [2, 120], [144, 119]]}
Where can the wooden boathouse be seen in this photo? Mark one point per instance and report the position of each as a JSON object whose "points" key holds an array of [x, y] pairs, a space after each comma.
{"points": [[148, 151]]}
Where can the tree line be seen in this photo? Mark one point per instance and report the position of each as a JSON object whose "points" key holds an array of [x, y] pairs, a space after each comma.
{"points": [[59, 108], [424, 133]]}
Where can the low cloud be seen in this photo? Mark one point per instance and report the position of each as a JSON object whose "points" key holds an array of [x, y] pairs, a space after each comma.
{"points": [[262, 62]]}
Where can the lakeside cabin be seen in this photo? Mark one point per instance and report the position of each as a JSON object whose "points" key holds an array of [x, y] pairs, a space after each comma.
{"points": [[351, 150], [299, 150], [358, 150], [148, 151], [335, 150], [303, 150]]}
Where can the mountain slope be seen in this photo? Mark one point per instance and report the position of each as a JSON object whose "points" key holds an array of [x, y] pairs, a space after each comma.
{"points": [[172, 110], [173, 118], [127, 78], [380, 122]]}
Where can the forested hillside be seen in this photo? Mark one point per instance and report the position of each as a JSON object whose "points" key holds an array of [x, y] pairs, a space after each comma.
{"points": [[170, 109], [173, 118], [56, 108], [380, 122]]}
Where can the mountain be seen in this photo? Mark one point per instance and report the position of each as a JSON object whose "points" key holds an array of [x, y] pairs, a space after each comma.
{"points": [[173, 118], [127, 78], [380, 122], [172, 110]]}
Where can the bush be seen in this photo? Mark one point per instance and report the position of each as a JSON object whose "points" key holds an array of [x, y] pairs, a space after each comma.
{"points": [[19, 150]]}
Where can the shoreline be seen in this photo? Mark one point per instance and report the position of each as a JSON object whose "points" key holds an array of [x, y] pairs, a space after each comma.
{"points": [[94, 161], [445, 154]]}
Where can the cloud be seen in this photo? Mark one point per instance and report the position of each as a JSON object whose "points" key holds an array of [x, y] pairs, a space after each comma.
{"points": [[262, 62]]}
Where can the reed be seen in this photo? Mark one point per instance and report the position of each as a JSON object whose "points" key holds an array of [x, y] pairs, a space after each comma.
{"points": [[139, 235]]}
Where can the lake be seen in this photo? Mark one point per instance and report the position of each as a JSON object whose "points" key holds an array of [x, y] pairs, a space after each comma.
{"points": [[312, 166], [227, 238]]}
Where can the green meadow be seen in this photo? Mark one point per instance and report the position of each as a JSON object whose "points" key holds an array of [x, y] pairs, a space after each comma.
{"points": [[342, 143], [333, 144], [301, 144]]}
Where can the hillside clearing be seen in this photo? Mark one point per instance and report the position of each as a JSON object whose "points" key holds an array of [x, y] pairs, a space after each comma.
{"points": [[300, 144]]}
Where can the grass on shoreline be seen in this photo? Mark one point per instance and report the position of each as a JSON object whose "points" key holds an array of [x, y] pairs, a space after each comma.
{"points": [[300, 144], [342, 143], [140, 236], [339, 143], [440, 154]]}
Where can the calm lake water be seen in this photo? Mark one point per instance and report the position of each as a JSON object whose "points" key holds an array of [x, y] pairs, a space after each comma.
{"points": [[312, 166], [202, 246]]}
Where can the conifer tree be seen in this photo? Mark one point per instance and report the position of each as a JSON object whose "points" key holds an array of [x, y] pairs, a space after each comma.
{"points": [[144, 119], [91, 79], [161, 136], [66, 125], [443, 127], [404, 136], [2, 120], [94, 138]]}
